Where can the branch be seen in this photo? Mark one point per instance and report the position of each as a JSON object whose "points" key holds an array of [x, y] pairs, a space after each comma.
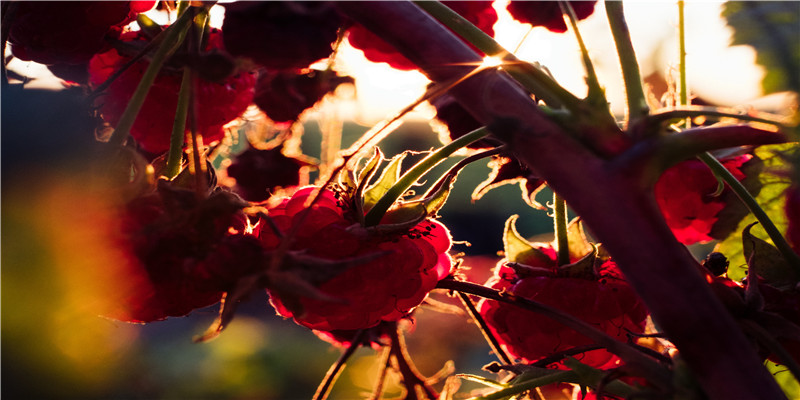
{"points": [[612, 202], [633, 358], [691, 142]]}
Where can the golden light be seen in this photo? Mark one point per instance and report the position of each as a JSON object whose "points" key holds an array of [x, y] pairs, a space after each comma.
{"points": [[491, 62]]}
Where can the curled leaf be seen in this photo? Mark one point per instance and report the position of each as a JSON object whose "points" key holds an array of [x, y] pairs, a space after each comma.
{"points": [[767, 261], [389, 176], [518, 249]]}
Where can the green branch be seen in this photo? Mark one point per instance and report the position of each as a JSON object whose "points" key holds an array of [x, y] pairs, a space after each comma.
{"points": [[631, 77], [172, 40], [596, 95], [175, 155]]}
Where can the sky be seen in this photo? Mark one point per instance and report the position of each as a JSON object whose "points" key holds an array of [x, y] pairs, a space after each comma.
{"points": [[713, 65]]}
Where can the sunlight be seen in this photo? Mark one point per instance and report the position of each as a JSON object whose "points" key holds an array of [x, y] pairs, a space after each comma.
{"points": [[491, 62]]}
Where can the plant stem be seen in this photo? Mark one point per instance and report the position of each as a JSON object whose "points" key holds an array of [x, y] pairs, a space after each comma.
{"points": [[385, 362], [721, 172], [333, 373], [173, 39], [686, 111], [560, 227], [175, 155], [647, 366], [631, 77], [534, 79], [606, 194], [494, 344], [374, 215], [595, 95], [564, 376], [411, 376], [684, 89]]}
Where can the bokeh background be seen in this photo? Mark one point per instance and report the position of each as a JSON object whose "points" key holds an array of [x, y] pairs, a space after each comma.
{"points": [[52, 260]]}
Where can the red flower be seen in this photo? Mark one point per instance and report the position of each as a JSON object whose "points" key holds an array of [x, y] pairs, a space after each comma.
{"points": [[284, 95], [605, 301], [480, 13], [548, 13], [686, 195], [177, 256], [390, 274], [56, 32], [218, 102]]}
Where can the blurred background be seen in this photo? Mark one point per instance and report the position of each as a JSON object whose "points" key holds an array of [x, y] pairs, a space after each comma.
{"points": [[54, 347]]}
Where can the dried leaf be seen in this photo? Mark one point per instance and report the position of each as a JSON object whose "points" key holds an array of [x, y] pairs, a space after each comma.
{"points": [[518, 249], [767, 261]]}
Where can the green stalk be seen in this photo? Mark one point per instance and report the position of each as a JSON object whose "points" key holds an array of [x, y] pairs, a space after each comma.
{"points": [[172, 40], [721, 172], [560, 223], [494, 344], [533, 79], [684, 89], [373, 217], [631, 77], [683, 112], [175, 154], [564, 376], [595, 93]]}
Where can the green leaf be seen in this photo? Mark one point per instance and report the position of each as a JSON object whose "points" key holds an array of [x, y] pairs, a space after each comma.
{"points": [[787, 382], [370, 168], [484, 381], [414, 211], [767, 262], [773, 29], [390, 176], [518, 249], [583, 268], [364, 177], [771, 198]]}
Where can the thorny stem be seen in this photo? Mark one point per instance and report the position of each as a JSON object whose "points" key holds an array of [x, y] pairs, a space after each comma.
{"points": [[173, 38], [560, 227], [412, 378], [631, 77], [494, 344], [333, 373], [780, 242], [374, 215], [603, 192], [687, 111], [631, 356]]}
